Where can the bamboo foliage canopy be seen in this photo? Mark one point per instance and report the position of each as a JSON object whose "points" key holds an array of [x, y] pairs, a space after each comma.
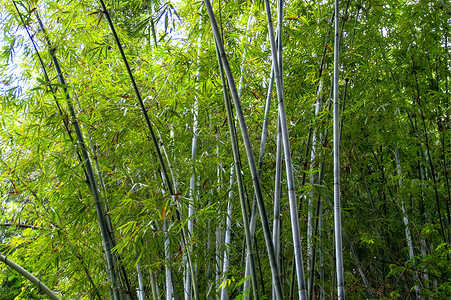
{"points": [[129, 145]]}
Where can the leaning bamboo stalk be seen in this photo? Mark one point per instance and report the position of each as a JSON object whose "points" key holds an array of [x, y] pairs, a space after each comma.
{"points": [[260, 165], [39, 284], [359, 267], [109, 223], [249, 152], [154, 139], [89, 170], [260, 168], [239, 179], [47, 80], [287, 154], [336, 129]]}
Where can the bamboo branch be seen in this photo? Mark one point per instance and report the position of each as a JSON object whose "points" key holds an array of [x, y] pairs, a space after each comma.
{"points": [[39, 284]]}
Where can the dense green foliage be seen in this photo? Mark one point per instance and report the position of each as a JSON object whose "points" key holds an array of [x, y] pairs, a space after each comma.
{"points": [[394, 96]]}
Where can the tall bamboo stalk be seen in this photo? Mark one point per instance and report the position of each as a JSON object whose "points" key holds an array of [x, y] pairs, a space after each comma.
{"points": [[277, 195], [336, 129], [167, 256], [89, 170], [192, 182], [249, 152], [154, 140], [260, 169], [406, 221], [239, 179], [312, 181], [287, 153]]}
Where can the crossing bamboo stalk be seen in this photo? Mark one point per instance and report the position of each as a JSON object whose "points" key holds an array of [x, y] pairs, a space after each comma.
{"points": [[89, 170], [249, 152], [154, 139], [239, 179], [276, 56]]}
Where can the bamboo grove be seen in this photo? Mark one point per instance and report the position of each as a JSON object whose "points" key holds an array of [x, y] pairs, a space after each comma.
{"points": [[225, 149]]}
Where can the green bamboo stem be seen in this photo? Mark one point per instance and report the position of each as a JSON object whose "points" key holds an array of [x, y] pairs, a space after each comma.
{"points": [[238, 174], [107, 216], [39, 284], [336, 150], [249, 152], [263, 140], [277, 196], [66, 125], [227, 240], [154, 139], [89, 170], [287, 154]]}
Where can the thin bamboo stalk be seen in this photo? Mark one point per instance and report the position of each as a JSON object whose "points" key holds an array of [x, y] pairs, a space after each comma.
{"points": [[239, 180], [312, 181], [249, 152], [277, 196], [141, 290], [109, 223], [287, 154], [192, 183], [154, 286], [154, 140], [89, 170], [406, 221], [167, 255], [359, 267], [336, 129], [260, 168], [228, 236]]}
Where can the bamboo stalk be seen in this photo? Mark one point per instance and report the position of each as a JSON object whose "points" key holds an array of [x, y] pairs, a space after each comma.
{"points": [[336, 129], [167, 255], [192, 183], [287, 154], [154, 140], [260, 168], [406, 222], [107, 216], [39, 284], [277, 196], [249, 152], [141, 290], [89, 170], [228, 236], [237, 166]]}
